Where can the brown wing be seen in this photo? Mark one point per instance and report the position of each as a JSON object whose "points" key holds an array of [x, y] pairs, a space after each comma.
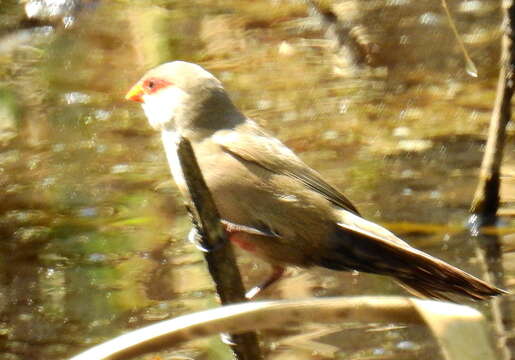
{"points": [[274, 156]]}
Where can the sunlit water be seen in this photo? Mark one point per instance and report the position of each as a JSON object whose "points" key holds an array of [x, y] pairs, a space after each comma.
{"points": [[94, 231]]}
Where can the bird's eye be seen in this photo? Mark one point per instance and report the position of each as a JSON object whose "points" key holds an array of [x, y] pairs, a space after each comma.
{"points": [[153, 85], [150, 85]]}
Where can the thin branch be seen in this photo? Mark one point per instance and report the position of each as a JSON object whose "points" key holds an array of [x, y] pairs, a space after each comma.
{"points": [[486, 199], [470, 67], [220, 260]]}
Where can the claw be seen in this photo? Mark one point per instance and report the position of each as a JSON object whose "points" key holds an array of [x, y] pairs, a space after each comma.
{"points": [[194, 237], [227, 339]]}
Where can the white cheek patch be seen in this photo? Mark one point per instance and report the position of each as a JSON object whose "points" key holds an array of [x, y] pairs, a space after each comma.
{"points": [[160, 107]]}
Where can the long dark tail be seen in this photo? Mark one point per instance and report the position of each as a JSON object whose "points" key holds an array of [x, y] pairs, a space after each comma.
{"points": [[354, 248]]}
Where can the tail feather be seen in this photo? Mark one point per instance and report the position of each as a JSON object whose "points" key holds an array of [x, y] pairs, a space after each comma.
{"points": [[445, 279], [353, 248]]}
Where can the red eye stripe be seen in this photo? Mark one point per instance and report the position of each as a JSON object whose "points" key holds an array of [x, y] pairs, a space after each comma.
{"points": [[150, 86]]}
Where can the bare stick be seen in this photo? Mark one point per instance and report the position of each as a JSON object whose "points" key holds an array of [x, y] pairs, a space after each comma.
{"points": [[486, 199], [220, 260], [470, 67]]}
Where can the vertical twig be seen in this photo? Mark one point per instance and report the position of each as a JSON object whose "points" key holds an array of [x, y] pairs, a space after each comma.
{"points": [[220, 260], [470, 67], [486, 199]]}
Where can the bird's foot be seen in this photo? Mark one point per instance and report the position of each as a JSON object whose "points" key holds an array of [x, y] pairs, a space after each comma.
{"points": [[194, 237], [277, 273], [227, 339]]}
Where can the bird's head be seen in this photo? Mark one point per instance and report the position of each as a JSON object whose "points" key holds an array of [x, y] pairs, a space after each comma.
{"points": [[183, 96]]}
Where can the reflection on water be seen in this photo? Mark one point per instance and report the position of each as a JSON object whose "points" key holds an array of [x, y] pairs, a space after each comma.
{"points": [[93, 231]]}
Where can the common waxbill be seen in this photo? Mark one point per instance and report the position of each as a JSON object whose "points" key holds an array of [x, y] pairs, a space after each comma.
{"points": [[272, 203]]}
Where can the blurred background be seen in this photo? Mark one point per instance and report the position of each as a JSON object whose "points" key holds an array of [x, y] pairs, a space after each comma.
{"points": [[374, 94]]}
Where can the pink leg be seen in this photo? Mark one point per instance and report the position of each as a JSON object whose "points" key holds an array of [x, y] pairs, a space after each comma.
{"points": [[277, 273], [239, 235]]}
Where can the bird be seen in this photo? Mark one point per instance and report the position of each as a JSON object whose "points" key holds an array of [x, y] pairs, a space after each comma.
{"points": [[271, 203]]}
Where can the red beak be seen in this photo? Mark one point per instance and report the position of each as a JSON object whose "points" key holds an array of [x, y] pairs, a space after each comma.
{"points": [[135, 93]]}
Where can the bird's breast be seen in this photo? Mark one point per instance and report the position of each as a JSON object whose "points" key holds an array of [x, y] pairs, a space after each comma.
{"points": [[170, 140]]}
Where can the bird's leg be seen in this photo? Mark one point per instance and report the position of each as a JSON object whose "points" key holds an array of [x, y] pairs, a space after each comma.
{"points": [[277, 273], [238, 234]]}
